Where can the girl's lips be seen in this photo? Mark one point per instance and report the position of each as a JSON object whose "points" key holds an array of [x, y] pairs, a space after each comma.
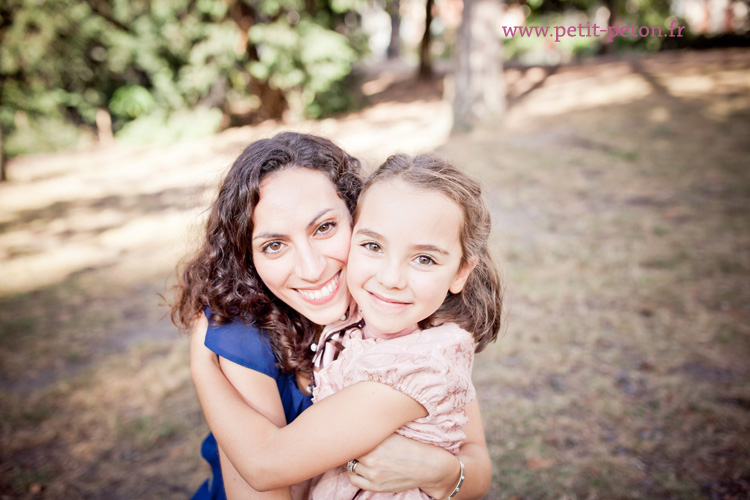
{"points": [[386, 302], [322, 294]]}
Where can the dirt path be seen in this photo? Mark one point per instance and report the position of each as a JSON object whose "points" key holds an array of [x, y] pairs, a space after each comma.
{"points": [[621, 196]]}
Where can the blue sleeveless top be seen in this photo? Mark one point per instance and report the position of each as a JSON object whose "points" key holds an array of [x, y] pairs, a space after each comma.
{"points": [[249, 347]]}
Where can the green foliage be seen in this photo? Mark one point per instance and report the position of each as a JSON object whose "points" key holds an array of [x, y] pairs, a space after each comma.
{"points": [[305, 59], [131, 101], [63, 61], [163, 128]]}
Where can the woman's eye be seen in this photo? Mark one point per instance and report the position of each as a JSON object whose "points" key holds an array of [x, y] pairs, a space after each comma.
{"points": [[326, 227], [272, 247], [425, 260], [373, 247]]}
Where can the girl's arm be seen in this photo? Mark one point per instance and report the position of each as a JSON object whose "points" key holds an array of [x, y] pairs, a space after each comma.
{"points": [[398, 462], [260, 391]]}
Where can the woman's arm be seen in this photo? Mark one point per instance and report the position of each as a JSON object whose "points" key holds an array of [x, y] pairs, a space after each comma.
{"points": [[398, 463], [257, 390]]}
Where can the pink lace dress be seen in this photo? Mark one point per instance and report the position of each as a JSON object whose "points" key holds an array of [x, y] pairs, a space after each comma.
{"points": [[431, 366]]}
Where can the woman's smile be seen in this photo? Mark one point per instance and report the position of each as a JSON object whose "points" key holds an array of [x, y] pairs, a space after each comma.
{"points": [[323, 293]]}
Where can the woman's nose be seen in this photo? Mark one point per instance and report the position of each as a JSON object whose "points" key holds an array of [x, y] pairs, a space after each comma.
{"points": [[310, 263]]}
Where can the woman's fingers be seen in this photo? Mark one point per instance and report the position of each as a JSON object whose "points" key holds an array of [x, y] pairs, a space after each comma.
{"points": [[360, 478]]}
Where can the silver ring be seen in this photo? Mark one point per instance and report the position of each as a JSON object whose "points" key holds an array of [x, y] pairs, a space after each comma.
{"points": [[351, 466]]}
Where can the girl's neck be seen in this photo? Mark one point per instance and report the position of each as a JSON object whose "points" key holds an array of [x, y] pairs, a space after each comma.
{"points": [[372, 333]]}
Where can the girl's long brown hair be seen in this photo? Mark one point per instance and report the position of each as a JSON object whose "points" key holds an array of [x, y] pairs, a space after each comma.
{"points": [[478, 307], [221, 274]]}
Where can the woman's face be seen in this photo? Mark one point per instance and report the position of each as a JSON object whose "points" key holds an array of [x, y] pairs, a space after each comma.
{"points": [[301, 237]]}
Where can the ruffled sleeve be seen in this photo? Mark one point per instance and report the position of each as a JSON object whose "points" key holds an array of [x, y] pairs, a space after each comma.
{"points": [[432, 367]]}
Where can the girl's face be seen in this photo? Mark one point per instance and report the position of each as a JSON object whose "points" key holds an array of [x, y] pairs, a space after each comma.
{"points": [[405, 256], [301, 237]]}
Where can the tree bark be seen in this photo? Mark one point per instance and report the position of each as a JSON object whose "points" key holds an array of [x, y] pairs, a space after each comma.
{"points": [[479, 86], [3, 174], [273, 102], [394, 47], [425, 61]]}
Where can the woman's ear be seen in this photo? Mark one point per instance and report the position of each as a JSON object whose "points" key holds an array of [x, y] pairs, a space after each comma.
{"points": [[462, 275]]}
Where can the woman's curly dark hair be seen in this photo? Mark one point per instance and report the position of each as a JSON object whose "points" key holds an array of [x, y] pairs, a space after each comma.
{"points": [[222, 276]]}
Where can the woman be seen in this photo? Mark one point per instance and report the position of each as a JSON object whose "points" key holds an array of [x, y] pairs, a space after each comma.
{"points": [[270, 272]]}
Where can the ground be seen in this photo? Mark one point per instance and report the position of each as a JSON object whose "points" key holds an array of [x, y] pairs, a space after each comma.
{"points": [[620, 191]]}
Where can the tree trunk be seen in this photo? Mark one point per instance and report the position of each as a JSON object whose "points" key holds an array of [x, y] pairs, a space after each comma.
{"points": [[479, 98], [104, 128], [394, 47], [3, 174], [273, 102], [425, 62]]}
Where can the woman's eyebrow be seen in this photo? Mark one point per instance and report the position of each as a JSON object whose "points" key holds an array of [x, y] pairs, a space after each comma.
{"points": [[315, 219], [308, 227], [263, 236]]}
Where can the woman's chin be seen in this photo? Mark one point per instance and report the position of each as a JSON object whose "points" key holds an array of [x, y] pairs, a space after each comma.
{"points": [[325, 314]]}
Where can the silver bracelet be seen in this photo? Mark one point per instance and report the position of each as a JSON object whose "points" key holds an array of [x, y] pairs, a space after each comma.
{"points": [[460, 479]]}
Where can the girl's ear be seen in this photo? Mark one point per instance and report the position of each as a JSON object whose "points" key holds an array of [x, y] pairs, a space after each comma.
{"points": [[462, 275]]}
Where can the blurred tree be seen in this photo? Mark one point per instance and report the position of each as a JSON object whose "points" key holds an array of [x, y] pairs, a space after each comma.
{"points": [[394, 46], [479, 93], [425, 60]]}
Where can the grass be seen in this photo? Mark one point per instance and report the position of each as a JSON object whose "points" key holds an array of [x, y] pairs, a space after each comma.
{"points": [[621, 225]]}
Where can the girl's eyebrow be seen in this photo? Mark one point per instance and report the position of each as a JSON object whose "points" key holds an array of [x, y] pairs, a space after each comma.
{"points": [[431, 248], [370, 233], [308, 227], [419, 248]]}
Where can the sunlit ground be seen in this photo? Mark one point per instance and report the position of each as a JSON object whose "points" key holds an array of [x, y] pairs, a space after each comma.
{"points": [[621, 198]]}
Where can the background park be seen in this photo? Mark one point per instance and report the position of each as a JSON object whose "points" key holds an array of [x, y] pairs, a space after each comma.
{"points": [[618, 176]]}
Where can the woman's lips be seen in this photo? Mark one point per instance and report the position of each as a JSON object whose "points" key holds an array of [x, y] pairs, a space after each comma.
{"points": [[323, 293]]}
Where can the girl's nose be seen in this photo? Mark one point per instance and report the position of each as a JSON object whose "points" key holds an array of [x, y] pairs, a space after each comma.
{"points": [[310, 263], [392, 274]]}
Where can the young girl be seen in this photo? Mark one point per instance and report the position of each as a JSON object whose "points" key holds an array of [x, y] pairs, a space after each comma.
{"points": [[408, 268], [421, 274]]}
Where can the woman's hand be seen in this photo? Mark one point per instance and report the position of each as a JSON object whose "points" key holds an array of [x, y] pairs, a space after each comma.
{"points": [[398, 464]]}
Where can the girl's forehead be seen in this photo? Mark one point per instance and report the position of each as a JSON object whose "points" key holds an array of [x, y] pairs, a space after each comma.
{"points": [[401, 192], [396, 204]]}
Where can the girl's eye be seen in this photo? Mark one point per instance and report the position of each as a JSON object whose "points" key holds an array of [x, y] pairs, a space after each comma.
{"points": [[326, 227], [425, 260], [272, 247], [371, 246]]}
